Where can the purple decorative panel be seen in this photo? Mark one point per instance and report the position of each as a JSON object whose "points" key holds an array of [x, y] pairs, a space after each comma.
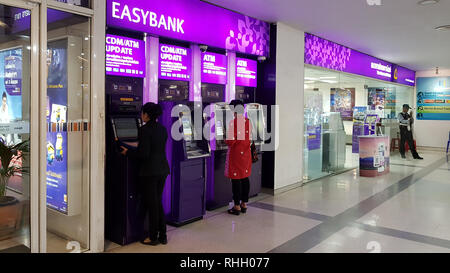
{"points": [[214, 68], [324, 53], [246, 71], [193, 21], [404, 76], [125, 56], [174, 63]]}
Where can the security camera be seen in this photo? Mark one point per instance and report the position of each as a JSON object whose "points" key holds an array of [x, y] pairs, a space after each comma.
{"points": [[261, 59], [203, 48]]}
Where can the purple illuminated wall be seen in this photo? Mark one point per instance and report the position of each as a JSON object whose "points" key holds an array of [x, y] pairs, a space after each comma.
{"points": [[125, 56], [246, 72], [324, 53], [214, 68], [174, 63], [193, 21], [404, 75]]}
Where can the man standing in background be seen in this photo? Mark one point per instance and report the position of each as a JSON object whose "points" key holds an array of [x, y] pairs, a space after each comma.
{"points": [[406, 121]]}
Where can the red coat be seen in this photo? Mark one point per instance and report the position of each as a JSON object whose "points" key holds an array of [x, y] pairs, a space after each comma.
{"points": [[239, 157]]}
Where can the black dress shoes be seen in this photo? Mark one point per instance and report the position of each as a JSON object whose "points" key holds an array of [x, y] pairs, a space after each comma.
{"points": [[418, 157], [163, 240], [150, 242]]}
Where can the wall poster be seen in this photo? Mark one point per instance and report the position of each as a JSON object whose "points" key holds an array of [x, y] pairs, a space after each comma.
{"points": [[56, 117], [343, 101]]}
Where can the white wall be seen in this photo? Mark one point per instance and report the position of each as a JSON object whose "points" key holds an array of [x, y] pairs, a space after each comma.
{"points": [[431, 133], [289, 98]]}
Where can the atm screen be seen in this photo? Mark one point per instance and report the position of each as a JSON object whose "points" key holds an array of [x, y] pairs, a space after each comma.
{"points": [[126, 128], [187, 128], [219, 128]]}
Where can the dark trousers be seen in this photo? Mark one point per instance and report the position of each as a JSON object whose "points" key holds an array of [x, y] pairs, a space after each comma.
{"points": [[241, 190], [406, 136], [151, 190]]}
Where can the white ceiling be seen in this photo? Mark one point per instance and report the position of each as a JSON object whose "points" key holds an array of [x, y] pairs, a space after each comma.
{"points": [[399, 31]]}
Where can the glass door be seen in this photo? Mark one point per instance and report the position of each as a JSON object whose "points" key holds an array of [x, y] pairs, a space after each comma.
{"points": [[18, 127]]}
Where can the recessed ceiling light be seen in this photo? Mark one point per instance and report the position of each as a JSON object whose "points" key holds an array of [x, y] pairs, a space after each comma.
{"points": [[428, 2], [446, 27]]}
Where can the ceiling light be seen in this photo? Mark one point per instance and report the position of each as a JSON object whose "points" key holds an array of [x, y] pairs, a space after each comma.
{"points": [[311, 79], [327, 78], [446, 27], [428, 2]]}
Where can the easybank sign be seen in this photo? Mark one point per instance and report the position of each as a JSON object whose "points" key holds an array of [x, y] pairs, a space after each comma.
{"points": [[193, 21]]}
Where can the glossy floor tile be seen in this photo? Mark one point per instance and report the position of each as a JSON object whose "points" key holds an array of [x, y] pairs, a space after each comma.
{"points": [[257, 231], [404, 211], [354, 240]]}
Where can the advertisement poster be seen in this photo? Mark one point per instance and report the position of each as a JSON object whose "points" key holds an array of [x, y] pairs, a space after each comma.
{"points": [[174, 63], [246, 72], [57, 141], [214, 68], [374, 153], [125, 56], [391, 103], [377, 100], [433, 98], [314, 137], [343, 101], [11, 85]]}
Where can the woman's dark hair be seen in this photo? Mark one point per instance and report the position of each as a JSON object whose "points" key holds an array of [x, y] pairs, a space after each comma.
{"points": [[4, 95], [153, 110], [238, 106]]}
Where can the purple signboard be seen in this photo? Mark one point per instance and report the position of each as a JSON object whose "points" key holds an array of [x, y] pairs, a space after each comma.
{"points": [[125, 56], [22, 18], [193, 21], [174, 63], [324, 53], [404, 76], [246, 72], [214, 68]]}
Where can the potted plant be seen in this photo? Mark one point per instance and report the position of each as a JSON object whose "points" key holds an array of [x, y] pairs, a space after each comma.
{"points": [[10, 207]]}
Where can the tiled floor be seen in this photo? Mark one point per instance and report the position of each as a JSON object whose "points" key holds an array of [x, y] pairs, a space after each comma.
{"points": [[404, 211]]}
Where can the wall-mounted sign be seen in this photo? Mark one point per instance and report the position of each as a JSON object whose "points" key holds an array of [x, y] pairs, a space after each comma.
{"points": [[193, 21], [403, 75], [246, 72], [214, 68], [125, 56], [433, 98], [174, 63], [327, 54]]}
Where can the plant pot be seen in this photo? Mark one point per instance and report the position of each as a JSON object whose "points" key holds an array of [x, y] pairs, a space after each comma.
{"points": [[10, 216]]}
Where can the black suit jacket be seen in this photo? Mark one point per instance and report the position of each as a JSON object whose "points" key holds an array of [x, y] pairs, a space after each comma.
{"points": [[151, 151]]}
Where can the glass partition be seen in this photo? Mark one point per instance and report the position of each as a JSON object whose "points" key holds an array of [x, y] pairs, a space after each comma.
{"points": [[68, 141], [15, 86], [331, 124]]}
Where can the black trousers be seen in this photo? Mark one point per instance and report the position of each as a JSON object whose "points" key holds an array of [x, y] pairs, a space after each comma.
{"points": [[241, 190], [407, 136], [151, 190]]}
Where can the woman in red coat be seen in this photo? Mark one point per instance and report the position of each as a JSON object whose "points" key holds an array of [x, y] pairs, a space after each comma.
{"points": [[238, 166]]}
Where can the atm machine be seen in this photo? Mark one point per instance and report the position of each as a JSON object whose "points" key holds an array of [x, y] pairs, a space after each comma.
{"points": [[184, 194], [123, 102], [334, 142], [218, 188], [255, 113]]}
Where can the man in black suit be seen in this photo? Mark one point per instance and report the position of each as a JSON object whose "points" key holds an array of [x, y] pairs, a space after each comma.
{"points": [[153, 171]]}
